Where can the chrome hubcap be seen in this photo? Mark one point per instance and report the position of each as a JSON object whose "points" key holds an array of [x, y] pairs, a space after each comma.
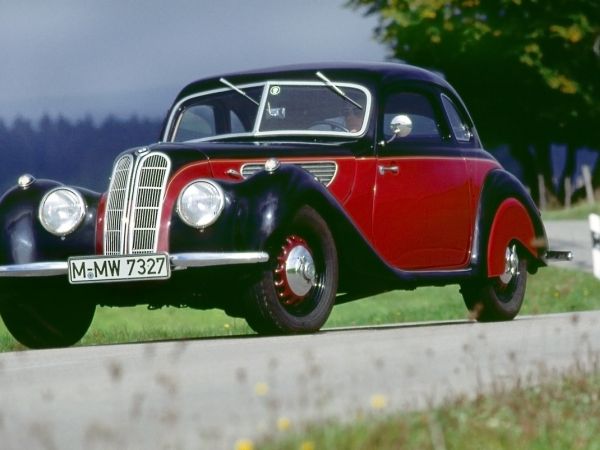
{"points": [[511, 264], [296, 273], [300, 270]]}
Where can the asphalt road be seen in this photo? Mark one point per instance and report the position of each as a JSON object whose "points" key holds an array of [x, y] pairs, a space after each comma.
{"points": [[208, 393]]}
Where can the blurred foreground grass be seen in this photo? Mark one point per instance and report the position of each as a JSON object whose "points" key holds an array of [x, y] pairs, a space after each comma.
{"points": [[550, 290], [558, 414]]}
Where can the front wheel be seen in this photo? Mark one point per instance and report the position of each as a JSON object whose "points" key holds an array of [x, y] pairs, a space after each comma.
{"points": [[296, 293], [499, 298], [47, 322]]}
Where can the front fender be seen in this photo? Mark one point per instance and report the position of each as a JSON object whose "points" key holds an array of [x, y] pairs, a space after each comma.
{"points": [[257, 212], [24, 240]]}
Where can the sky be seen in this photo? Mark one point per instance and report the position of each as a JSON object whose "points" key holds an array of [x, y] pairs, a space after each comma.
{"points": [[124, 57]]}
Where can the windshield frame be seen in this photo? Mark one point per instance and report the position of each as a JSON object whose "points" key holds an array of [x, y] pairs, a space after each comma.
{"points": [[177, 112]]}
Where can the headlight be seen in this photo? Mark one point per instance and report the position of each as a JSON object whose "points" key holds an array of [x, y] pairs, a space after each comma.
{"points": [[61, 210], [200, 203]]}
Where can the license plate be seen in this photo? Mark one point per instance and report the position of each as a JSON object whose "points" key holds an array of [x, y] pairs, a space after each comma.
{"points": [[97, 269]]}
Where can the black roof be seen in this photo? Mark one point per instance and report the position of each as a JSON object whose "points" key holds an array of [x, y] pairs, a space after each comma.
{"points": [[381, 73]]}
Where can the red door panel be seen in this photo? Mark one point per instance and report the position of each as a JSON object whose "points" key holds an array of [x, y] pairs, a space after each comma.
{"points": [[423, 216]]}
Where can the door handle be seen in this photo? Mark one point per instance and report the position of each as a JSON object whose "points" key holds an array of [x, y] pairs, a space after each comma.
{"points": [[233, 173], [392, 169]]}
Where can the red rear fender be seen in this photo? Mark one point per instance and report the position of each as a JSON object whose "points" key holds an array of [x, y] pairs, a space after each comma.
{"points": [[511, 223]]}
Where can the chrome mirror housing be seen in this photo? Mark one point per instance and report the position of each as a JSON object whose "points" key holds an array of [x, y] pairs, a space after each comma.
{"points": [[401, 125]]}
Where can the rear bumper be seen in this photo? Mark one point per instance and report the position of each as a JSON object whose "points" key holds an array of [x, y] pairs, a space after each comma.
{"points": [[559, 255], [179, 261]]}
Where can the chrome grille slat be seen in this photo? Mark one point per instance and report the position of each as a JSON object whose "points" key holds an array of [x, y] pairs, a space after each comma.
{"points": [[323, 171], [134, 203], [149, 187], [116, 203]]}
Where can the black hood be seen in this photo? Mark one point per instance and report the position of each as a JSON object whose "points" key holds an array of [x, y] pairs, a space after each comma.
{"points": [[183, 153]]}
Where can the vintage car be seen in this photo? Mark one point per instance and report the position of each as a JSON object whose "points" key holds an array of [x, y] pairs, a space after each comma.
{"points": [[274, 194]]}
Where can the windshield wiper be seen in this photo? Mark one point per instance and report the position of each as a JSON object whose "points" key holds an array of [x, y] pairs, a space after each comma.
{"points": [[337, 90], [238, 90]]}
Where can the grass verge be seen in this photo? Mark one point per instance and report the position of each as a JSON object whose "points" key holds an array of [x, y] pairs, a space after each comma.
{"points": [[580, 211], [554, 415], [551, 290]]}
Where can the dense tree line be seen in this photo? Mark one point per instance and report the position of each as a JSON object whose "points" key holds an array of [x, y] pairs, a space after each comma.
{"points": [[78, 152]]}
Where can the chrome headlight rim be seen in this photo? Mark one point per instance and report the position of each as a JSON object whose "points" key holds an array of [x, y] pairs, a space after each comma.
{"points": [[217, 212], [78, 219]]}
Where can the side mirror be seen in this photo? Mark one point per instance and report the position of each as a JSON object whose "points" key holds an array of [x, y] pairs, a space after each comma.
{"points": [[401, 125]]}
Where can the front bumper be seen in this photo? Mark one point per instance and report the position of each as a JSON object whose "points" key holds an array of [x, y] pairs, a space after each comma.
{"points": [[179, 261]]}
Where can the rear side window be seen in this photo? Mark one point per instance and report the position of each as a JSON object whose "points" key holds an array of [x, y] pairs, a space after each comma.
{"points": [[420, 111], [460, 127]]}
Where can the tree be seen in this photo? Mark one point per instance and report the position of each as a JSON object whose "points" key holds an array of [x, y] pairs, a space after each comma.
{"points": [[529, 70]]}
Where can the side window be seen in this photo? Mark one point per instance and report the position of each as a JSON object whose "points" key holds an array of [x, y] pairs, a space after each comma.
{"points": [[196, 122], [420, 111], [460, 128], [236, 124]]}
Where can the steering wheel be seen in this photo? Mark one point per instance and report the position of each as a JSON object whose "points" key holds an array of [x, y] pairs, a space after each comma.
{"points": [[330, 123]]}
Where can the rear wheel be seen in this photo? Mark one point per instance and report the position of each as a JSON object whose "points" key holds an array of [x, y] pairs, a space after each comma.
{"points": [[48, 322], [296, 293], [498, 298]]}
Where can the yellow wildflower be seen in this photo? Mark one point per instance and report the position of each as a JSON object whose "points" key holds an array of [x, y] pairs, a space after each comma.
{"points": [[261, 389], [283, 424], [244, 444], [307, 445], [378, 401]]}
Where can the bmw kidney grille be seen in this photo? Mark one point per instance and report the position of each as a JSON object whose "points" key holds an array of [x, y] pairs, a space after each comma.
{"points": [[133, 206]]}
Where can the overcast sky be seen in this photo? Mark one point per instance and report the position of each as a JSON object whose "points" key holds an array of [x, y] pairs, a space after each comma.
{"points": [[75, 57]]}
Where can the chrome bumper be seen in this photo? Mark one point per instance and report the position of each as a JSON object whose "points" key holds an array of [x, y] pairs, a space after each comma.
{"points": [[559, 255], [178, 261]]}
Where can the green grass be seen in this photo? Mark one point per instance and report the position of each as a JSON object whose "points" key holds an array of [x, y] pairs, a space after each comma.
{"points": [[580, 211], [558, 415], [551, 290]]}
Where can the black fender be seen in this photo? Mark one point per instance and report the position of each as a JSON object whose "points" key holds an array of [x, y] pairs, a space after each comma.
{"points": [[498, 186], [24, 240]]}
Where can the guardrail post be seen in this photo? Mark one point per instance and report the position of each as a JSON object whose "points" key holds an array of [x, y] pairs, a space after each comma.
{"points": [[542, 190], [568, 192], [595, 229], [587, 179]]}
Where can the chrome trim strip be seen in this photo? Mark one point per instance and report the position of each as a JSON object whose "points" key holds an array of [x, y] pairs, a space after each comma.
{"points": [[184, 260], [37, 269], [178, 261]]}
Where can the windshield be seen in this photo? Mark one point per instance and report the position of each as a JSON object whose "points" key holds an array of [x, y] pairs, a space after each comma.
{"points": [[272, 108]]}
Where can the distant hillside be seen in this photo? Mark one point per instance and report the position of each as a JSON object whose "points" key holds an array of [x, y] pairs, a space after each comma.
{"points": [[78, 152]]}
